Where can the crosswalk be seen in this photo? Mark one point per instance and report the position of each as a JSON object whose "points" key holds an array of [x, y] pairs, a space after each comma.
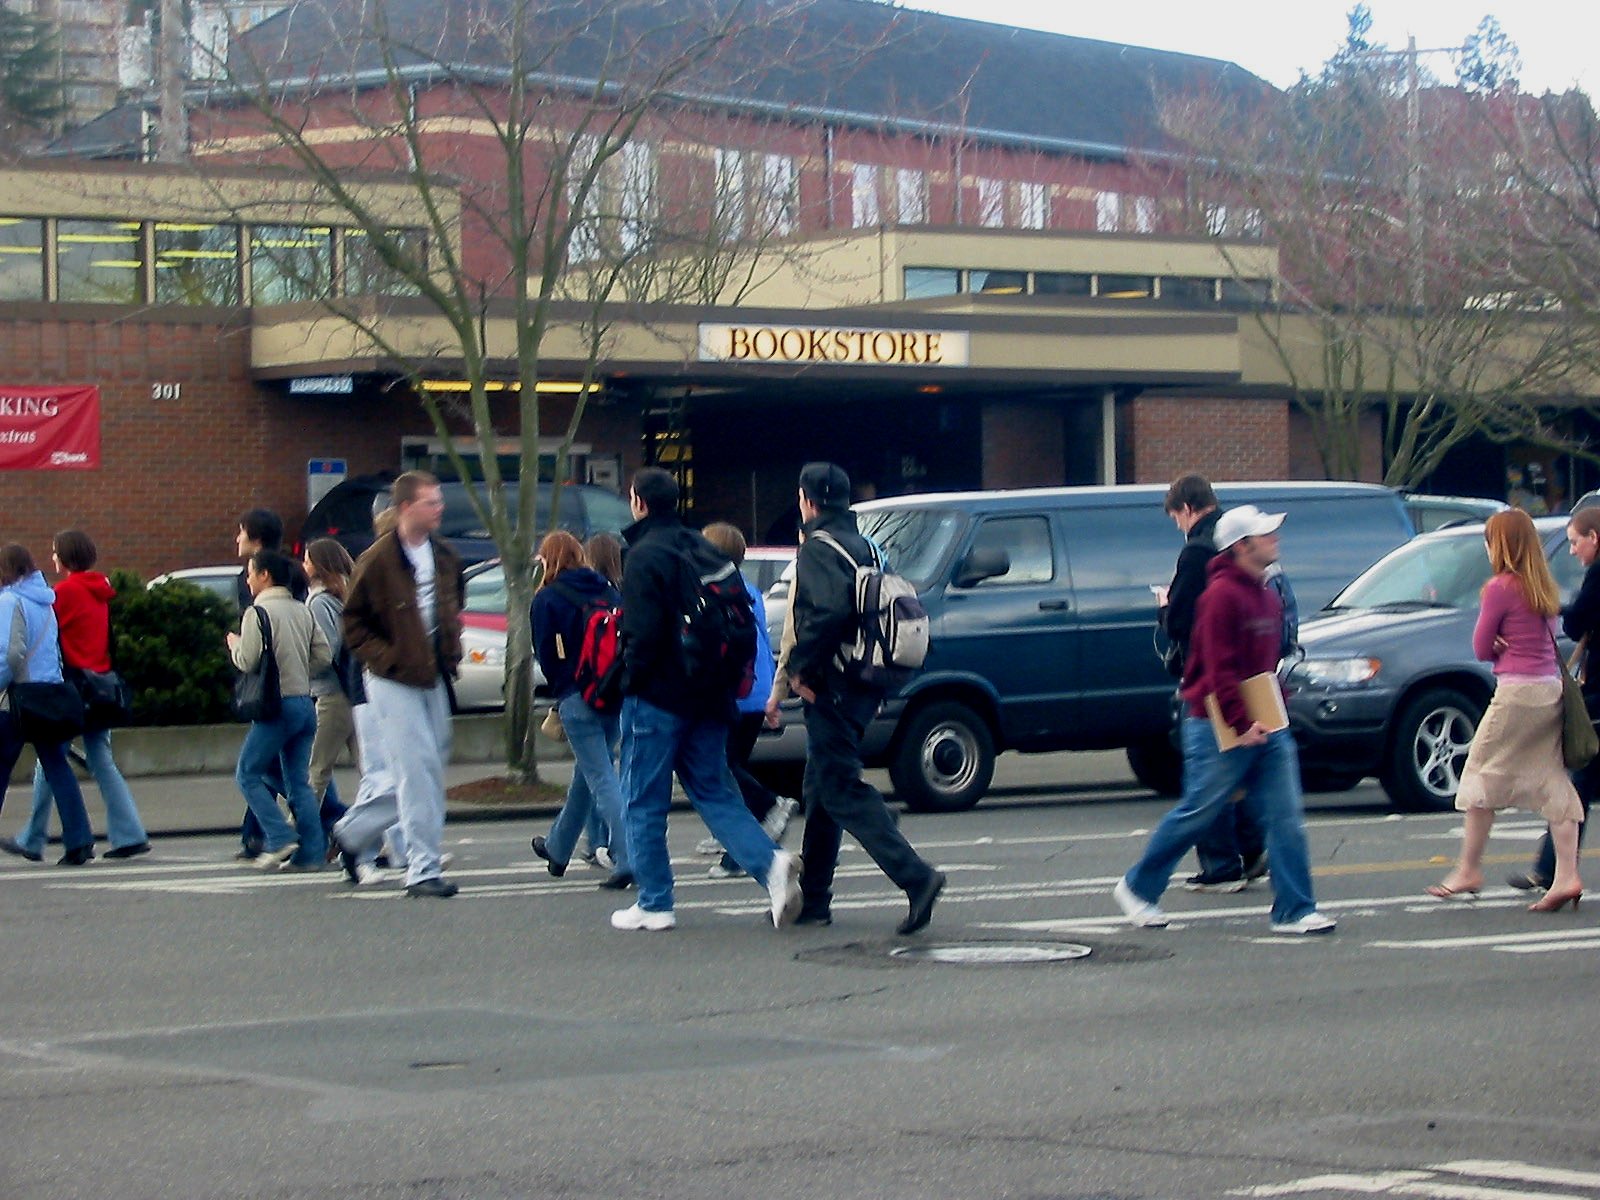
{"points": [[1466, 1179]]}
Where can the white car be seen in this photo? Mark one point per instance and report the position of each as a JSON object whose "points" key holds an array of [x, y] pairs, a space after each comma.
{"points": [[481, 679], [222, 582]]}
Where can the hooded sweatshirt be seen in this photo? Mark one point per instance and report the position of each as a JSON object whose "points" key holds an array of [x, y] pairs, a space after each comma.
{"points": [[83, 610], [38, 636], [558, 623], [1238, 631]]}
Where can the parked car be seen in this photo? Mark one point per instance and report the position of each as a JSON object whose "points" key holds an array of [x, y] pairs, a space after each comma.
{"points": [[1439, 512], [481, 679], [1388, 685], [219, 581], [582, 509], [1043, 623]]}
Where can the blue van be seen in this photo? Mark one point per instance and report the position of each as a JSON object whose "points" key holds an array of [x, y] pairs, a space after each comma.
{"points": [[1043, 621]]}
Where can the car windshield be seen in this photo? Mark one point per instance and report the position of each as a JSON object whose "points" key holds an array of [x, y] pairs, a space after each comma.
{"points": [[914, 541], [486, 590], [1446, 572]]}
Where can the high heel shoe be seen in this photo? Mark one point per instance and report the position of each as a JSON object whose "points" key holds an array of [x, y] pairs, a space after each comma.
{"points": [[1556, 901]]}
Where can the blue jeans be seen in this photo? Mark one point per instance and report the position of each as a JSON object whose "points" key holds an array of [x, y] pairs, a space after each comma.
{"points": [[1270, 775], [595, 784], [283, 744], [123, 826], [654, 744], [75, 831]]}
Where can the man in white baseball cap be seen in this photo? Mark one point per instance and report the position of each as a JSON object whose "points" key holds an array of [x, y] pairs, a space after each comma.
{"points": [[1245, 521]]}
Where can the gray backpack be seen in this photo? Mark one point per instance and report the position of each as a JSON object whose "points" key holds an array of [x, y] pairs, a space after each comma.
{"points": [[891, 641]]}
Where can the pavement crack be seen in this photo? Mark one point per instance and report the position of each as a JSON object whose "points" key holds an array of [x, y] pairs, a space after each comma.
{"points": [[792, 1006]]}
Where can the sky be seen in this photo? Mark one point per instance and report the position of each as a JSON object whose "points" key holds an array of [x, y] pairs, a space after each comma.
{"points": [[1559, 39]]}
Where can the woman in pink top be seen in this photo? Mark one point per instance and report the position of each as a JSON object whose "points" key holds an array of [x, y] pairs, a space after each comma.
{"points": [[1515, 760]]}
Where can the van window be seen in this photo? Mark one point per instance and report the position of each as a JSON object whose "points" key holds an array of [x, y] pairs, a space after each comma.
{"points": [[914, 541], [1027, 541], [1121, 547]]}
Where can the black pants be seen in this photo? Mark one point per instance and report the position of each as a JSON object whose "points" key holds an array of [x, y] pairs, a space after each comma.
{"points": [[758, 797], [838, 799]]}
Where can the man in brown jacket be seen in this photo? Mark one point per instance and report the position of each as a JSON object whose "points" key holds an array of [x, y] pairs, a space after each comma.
{"points": [[402, 621]]}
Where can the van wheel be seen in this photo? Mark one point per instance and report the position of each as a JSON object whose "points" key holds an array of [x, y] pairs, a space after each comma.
{"points": [[1157, 764], [1427, 750], [945, 759]]}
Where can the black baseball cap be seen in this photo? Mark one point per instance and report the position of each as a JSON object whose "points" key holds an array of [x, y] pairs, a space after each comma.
{"points": [[825, 485]]}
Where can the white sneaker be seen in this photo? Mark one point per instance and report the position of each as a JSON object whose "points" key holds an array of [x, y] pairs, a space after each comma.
{"points": [[718, 871], [1312, 923], [370, 875], [708, 846], [776, 822], [1140, 914], [272, 860], [635, 917], [783, 886], [603, 859]]}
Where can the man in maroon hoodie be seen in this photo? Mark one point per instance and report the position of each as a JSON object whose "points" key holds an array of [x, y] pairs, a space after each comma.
{"points": [[1238, 631]]}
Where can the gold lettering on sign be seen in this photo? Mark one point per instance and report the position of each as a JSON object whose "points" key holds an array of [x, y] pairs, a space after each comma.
{"points": [[800, 345]]}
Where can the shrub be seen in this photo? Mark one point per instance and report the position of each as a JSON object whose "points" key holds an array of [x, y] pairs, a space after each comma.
{"points": [[170, 646]]}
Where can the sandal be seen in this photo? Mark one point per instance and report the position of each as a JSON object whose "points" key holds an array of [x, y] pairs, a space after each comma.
{"points": [[1443, 891]]}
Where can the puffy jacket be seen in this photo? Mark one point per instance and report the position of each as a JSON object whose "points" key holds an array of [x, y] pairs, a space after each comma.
{"points": [[1238, 630], [558, 624], [37, 643], [83, 612], [824, 600]]}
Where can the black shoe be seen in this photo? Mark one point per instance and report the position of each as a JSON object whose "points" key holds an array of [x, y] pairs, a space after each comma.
{"points": [[435, 887], [76, 857], [813, 916], [922, 904], [12, 846], [1256, 867], [542, 849], [347, 863], [1523, 881], [132, 851], [617, 881]]}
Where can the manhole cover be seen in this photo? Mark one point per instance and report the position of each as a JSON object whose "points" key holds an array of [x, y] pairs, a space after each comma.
{"points": [[994, 954]]}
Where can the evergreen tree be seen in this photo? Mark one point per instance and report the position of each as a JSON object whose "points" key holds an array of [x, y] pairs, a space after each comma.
{"points": [[31, 93]]}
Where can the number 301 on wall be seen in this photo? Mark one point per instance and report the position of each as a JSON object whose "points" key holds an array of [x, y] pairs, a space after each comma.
{"points": [[166, 391]]}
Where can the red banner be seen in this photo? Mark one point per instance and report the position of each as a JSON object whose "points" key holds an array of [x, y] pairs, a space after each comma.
{"points": [[49, 428]]}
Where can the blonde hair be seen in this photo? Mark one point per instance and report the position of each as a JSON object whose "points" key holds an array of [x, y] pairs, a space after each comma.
{"points": [[1515, 549]]}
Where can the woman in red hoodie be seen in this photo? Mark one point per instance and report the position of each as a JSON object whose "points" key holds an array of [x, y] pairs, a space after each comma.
{"points": [[83, 614]]}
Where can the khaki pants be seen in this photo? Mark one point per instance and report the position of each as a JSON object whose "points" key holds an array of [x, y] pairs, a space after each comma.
{"points": [[336, 729]]}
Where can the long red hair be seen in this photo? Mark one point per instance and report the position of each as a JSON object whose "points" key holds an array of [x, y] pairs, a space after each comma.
{"points": [[1515, 549], [560, 551]]}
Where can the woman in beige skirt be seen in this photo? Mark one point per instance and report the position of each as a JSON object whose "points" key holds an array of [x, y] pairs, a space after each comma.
{"points": [[1515, 760]]}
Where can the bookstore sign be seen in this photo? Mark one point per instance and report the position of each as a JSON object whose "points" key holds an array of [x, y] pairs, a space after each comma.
{"points": [[806, 345]]}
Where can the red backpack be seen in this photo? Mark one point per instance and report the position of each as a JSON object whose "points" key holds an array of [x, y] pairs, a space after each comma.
{"points": [[598, 673]]}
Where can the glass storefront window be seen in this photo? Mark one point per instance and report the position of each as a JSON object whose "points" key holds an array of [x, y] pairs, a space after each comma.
{"points": [[99, 262], [922, 282], [1188, 293], [290, 263], [21, 259], [1126, 287], [196, 263], [365, 272], [998, 283], [1053, 283]]}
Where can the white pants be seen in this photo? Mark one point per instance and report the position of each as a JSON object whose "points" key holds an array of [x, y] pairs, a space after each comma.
{"points": [[403, 777]]}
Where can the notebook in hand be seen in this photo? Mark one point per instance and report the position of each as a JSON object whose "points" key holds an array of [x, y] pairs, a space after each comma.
{"points": [[1263, 702]]}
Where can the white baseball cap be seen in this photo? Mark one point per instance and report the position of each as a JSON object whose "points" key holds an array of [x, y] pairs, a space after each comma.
{"points": [[1245, 521]]}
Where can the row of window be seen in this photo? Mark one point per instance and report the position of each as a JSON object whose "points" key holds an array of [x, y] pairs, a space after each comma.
{"points": [[192, 262], [924, 282]]}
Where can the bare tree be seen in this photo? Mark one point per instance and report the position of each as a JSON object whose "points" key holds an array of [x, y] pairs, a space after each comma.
{"points": [[531, 132]]}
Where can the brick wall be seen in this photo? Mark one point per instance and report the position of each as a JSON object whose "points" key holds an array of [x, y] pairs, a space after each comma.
{"points": [[1166, 436], [1023, 444]]}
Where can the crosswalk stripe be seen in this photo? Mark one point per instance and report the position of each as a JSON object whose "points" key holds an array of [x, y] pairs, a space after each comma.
{"points": [[1490, 939], [1520, 1172], [1469, 1183]]}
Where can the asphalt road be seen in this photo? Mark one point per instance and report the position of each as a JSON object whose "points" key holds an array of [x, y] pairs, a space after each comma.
{"points": [[177, 1027]]}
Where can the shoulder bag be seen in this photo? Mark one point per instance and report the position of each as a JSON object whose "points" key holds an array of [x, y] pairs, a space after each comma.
{"points": [[1579, 741], [107, 698], [256, 694], [47, 714]]}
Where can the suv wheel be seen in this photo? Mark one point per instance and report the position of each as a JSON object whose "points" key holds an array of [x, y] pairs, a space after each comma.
{"points": [[1428, 748], [945, 759], [1157, 764]]}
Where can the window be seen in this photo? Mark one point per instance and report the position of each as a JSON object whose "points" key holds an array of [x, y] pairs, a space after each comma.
{"points": [[998, 283], [1107, 212], [922, 282], [196, 263], [1127, 287], [99, 262], [1216, 219], [1188, 292], [367, 274], [584, 210], [638, 195], [1033, 205], [1246, 293], [1027, 541], [914, 541], [991, 203], [1053, 283], [1144, 214], [864, 208], [290, 263], [780, 195], [729, 215], [910, 197], [21, 259]]}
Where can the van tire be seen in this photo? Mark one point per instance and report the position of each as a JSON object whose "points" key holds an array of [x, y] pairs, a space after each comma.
{"points": [[944, 760], [1157, 764], [1427, 748]]}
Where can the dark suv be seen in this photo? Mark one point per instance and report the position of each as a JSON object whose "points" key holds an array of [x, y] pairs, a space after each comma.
{"points": [[1043, 620], [346, 513]]}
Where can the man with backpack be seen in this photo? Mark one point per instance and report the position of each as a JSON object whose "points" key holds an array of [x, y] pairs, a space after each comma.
{"points": [[688, 650], [838, 705]]}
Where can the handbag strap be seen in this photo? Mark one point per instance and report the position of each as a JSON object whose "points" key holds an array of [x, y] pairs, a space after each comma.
{"points": [[1561, 663], [266, 636]]}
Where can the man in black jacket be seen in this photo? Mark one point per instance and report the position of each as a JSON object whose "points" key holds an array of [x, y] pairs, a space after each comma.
{"points": [[1233, 850], [838, 709], [672, 721]]}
